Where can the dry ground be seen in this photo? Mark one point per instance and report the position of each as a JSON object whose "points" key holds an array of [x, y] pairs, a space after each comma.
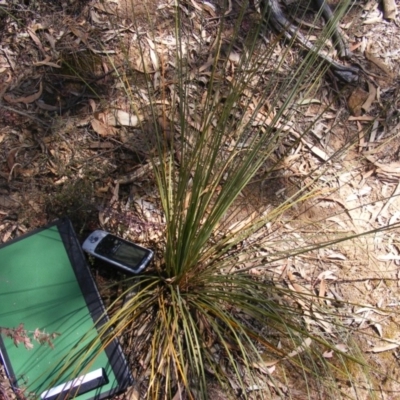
{"points": [[68, 150]]}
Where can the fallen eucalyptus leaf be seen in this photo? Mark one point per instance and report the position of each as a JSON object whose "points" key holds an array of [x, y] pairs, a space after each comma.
{"points": [[381, 349], [122, 118]]}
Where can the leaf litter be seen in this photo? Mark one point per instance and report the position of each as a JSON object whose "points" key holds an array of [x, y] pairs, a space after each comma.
{"points": [[44, 158]]}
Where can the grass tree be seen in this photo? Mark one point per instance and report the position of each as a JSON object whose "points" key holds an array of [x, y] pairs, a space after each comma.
{"points": [[213, 312]]}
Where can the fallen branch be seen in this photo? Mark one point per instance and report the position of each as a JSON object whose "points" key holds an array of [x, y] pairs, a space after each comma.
{"points": [[280, 23]]}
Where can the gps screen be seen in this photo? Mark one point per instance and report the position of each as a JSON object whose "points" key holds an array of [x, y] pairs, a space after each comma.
{"points": [[121, 251], [128, 254]]}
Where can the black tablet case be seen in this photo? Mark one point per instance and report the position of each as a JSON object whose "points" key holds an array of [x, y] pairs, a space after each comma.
{"points": [[45, 283]]}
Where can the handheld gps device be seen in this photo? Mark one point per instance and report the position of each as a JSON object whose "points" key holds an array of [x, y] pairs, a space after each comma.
{"points": [[123, 254]]}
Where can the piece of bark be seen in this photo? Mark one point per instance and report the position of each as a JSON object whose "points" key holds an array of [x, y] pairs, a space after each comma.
{"points": [[389, 9]]}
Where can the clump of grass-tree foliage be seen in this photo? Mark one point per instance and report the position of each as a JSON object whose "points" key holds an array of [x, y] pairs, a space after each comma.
{"points": [[202, 316]]}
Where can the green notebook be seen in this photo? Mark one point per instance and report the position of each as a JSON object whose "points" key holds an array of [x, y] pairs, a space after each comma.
{"points": [[45, 283]]}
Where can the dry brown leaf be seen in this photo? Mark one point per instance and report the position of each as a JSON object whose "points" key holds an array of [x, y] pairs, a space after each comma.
{"points": [[7, 202], [102, 129], [133, 393], [373, 20], [37, 41], [79, 33], [93, 105], [95, 17], [374, 131], [234, 57], [11, 158], [322, 288], [295, 286], [142, 64], [298, 288], [42, 105], [196, 6], [314, 149], [319, 320], [266, 367], [326, 275], [47, 62], [238, 226], [388, 257], [142, 170], [379, 63], [307, 343], [25, 100], [371, 309], [60, 181], [37, 26], [364, 118], [361, 134], [378, 328], [206, 65], [392, 168], [8, 233], [51, 40], [381, 349], [342, 347], [336, 256], [394, 195], [210, 8], [121, 118], [153, 55], [357, 98], [318, 152], [178, 395], [106, 7], [328, 354], [304, 102], [101, 145], [371, 97]]}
